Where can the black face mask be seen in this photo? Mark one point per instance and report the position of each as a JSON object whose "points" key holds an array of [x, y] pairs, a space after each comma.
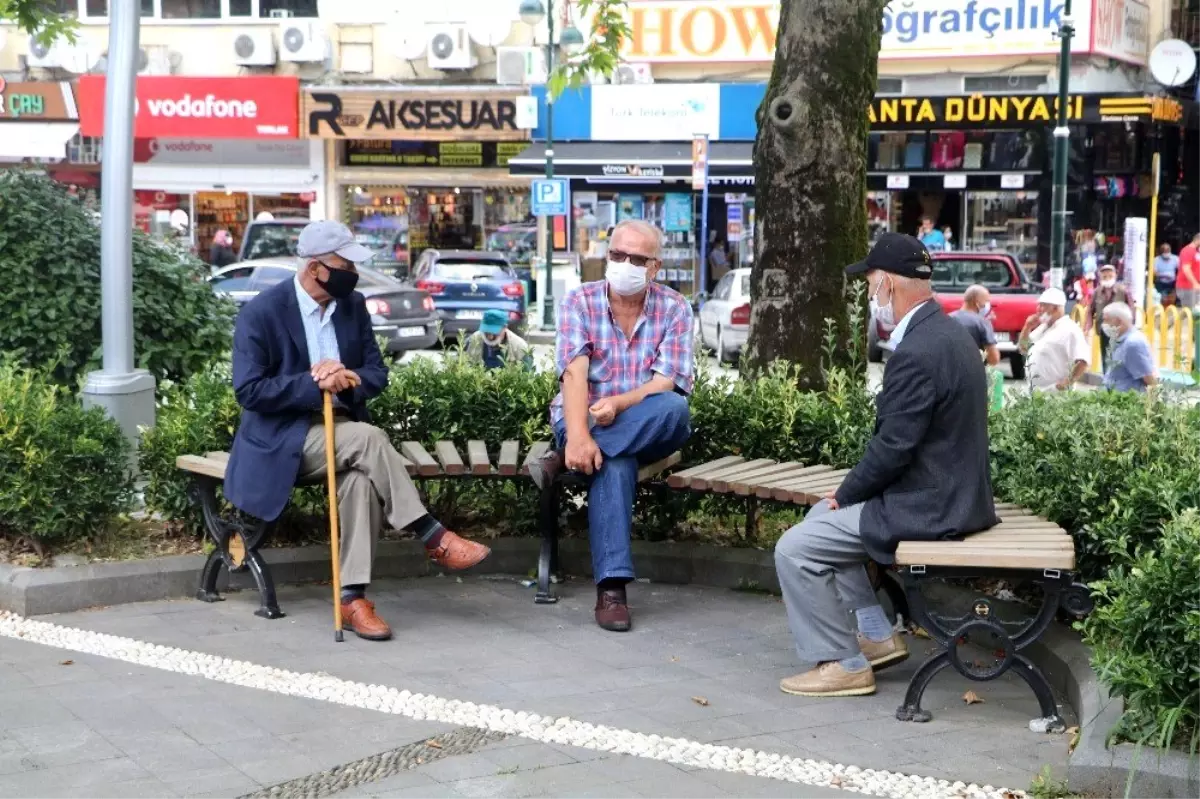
{"points": [[340, 284]]}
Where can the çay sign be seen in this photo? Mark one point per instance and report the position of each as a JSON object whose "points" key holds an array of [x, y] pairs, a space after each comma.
{"points": [[411, 116]]}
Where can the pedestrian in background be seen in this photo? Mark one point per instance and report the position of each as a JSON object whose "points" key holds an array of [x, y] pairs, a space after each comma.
{"points": [[1131, 362], [221, 254], [1166, 267], [1188, 283], [1106, 293], [1058, 352], [976, 316], [494, 345]]}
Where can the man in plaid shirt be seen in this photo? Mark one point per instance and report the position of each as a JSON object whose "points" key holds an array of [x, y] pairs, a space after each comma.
{"points": [[624, 358]]}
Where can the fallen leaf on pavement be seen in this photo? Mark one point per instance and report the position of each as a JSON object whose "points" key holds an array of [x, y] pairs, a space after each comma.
{"points": [[434, 745], [1074, 742], [919, 632], [701, 701], [67, 663], [972, 698], [674, 659], [1010, 795]]}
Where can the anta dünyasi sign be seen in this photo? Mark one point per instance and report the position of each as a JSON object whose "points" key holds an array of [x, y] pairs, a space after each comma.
{"points": [[417, 116]]}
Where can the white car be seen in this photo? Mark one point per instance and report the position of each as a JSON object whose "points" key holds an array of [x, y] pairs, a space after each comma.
{"points": [[725, 318]]}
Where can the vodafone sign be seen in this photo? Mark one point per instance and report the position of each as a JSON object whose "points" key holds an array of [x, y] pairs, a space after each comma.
{"points": [[260, 107]]}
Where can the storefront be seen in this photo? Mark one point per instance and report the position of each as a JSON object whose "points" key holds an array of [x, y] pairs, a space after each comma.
{"points": [[416, 168], [37, 120], [221, 150]]}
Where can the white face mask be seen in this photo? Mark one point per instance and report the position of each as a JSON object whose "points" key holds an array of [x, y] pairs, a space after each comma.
{"points": [[1045, 318], [1108, 282], [885, 315], [625, 278], [1112, 331], [986, 309]]}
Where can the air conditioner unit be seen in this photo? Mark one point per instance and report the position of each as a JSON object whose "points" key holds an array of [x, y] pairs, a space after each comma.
{"points": [[520, 66], [632, 73], [254, 47], [43, 56], [303, 41], [449, 47], [154, 60]]}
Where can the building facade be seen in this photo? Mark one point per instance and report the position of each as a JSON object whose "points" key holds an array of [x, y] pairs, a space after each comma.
{"points": [[410, 122]]}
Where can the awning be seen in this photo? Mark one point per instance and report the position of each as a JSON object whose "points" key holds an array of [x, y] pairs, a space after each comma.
{"points": [[636, 161], [431, 177], [46, 140]]}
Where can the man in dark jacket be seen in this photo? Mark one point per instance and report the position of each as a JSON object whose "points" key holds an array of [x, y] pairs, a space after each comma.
{"points": [[294, 341], [924, 476]]}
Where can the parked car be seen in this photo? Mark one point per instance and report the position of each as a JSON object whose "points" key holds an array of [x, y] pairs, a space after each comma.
{"points": [[517, 242], [1014, 298], [270, 238], [465, 283], [404, 316], [725, 318]]}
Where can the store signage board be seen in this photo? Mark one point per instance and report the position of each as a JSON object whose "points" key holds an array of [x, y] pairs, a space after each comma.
{"points": [[339, 113], [251, 107], [222, 152], [730, 31], [677, 212], [897, 182], [431, 154], [734, 213], [656, 112], [37, 102], [733, 199], [549, 197], [1012, 181], [976, 110], [954, 181], [699, 163], [1137, 234], [632, 170]]}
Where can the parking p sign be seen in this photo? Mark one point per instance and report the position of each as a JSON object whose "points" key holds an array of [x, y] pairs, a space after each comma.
{"points": [[550, 197]]}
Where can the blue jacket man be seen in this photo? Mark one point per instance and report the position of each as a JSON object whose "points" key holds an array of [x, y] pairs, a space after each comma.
{"points": [[295, 341]]}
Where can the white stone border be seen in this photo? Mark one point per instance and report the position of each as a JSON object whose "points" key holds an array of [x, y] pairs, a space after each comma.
{"points": [[531, 726]]}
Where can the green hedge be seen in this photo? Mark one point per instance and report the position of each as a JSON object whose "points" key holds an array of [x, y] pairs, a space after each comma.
{"points": [[64, 471]]}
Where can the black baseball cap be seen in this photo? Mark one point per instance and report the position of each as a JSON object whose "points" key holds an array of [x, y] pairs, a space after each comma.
{"points": [[899, 254]]}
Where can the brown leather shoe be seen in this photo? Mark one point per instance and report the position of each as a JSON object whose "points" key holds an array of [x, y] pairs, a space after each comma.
{"points": [[545, 469], [457, 553], [612, 610], [883, 653], [830, 679], [358, 616]]}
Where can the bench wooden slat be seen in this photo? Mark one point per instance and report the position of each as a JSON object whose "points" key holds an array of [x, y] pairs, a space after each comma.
{"points": [[683, 479], [809, 491], [477, 456], [223, 457], [509, 462], [426, 465], [538, 449], [745, 482], [982, 555], [658, 467], [197, 464], [764, 489], [451, 461], [722, 483]]}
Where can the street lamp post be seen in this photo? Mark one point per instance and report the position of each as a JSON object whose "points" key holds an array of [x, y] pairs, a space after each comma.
{"points": [[1058, 201], [532, 13], [125, 392]]}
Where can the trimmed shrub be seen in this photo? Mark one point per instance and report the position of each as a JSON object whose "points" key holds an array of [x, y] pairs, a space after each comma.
{"points": [[50, 254], [64, 471], [1145, 637]]}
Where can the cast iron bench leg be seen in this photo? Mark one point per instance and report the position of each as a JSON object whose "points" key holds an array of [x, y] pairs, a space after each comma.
{"points": [[548, 556], [1006, 638], [268, 605]]}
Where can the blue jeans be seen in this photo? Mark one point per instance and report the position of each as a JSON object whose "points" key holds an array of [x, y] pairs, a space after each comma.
{"points": [[649, 431]]}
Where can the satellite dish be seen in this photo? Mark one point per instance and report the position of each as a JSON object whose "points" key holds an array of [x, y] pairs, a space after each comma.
{"points": [[179, 220], [1172, 62], [80, 59], [406, 40], [487, 25]]}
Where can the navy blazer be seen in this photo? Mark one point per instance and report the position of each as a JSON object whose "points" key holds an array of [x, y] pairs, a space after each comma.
{"points": [[273, 384], [925, 474]]}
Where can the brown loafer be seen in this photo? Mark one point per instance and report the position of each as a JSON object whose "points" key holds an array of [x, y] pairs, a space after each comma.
{"points": [[612, 610], [358, 616], [546, 469], [457, 553]]}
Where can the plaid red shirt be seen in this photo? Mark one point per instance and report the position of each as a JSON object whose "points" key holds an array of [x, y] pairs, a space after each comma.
{"points": [[661, 343]]}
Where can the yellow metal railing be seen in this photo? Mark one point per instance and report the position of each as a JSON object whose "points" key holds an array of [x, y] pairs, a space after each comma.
{"points": [[1171, 333]]}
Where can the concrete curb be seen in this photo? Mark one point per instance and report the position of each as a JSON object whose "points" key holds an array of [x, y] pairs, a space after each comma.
{"points": [[1094, 769]]}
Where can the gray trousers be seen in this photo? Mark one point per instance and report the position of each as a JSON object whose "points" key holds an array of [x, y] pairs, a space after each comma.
{"points": [[821, 564], [372, 488]]}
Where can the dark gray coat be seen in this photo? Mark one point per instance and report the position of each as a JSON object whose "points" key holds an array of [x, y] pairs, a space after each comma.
{"points": [[925, 473]]}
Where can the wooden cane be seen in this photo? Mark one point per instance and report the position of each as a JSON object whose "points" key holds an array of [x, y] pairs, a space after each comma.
{"points": [[334, 546]]}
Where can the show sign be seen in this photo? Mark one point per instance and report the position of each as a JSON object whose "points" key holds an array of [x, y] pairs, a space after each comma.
{"points": [[413, 116]]}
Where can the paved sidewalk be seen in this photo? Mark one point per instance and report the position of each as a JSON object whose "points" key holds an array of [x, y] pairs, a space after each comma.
{"points": [[701, 664]]}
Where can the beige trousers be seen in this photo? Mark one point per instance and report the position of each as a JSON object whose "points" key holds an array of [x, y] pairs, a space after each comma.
{"points": [[372, 488]]}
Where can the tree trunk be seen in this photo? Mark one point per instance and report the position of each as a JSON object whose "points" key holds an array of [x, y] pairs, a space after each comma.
{"points": [[810, 179]]}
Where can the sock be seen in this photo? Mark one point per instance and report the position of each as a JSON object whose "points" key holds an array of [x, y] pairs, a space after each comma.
{"points": [[873, 623], [856, 663], [612, 584], [353, 592], [429, 530]]}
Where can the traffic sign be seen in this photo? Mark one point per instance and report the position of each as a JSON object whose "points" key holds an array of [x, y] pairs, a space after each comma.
{"points": [[550, 197]]}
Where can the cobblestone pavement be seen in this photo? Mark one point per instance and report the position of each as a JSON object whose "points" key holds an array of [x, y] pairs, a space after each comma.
{"points": [[702, 665]]}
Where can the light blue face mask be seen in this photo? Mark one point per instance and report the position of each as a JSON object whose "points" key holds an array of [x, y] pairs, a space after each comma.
{"points": [[986, 309]]}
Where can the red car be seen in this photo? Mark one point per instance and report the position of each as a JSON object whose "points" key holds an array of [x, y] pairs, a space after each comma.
{"points": [[1014, 298]]}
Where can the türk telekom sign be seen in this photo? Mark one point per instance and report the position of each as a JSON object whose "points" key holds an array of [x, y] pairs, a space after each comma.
{"points": [[258, 107]]}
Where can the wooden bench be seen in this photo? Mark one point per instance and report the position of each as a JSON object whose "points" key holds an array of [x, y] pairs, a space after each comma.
{"points": [[237, 537], [1023, 547]]}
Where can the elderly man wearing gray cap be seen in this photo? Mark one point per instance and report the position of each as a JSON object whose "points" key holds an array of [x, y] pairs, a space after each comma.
{"points": [[293, 342]]}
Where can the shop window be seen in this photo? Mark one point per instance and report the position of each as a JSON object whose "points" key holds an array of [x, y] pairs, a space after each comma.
{"points": [[1003, 84], [1114, 149], [1004, 221], [889, 86], [287, 8], [191, 9], [894, 151], [99, 8], [198, 9]]}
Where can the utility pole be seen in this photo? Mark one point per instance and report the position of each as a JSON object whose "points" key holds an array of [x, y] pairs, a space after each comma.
{"points": [[1058, 202], [125, 392]]}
